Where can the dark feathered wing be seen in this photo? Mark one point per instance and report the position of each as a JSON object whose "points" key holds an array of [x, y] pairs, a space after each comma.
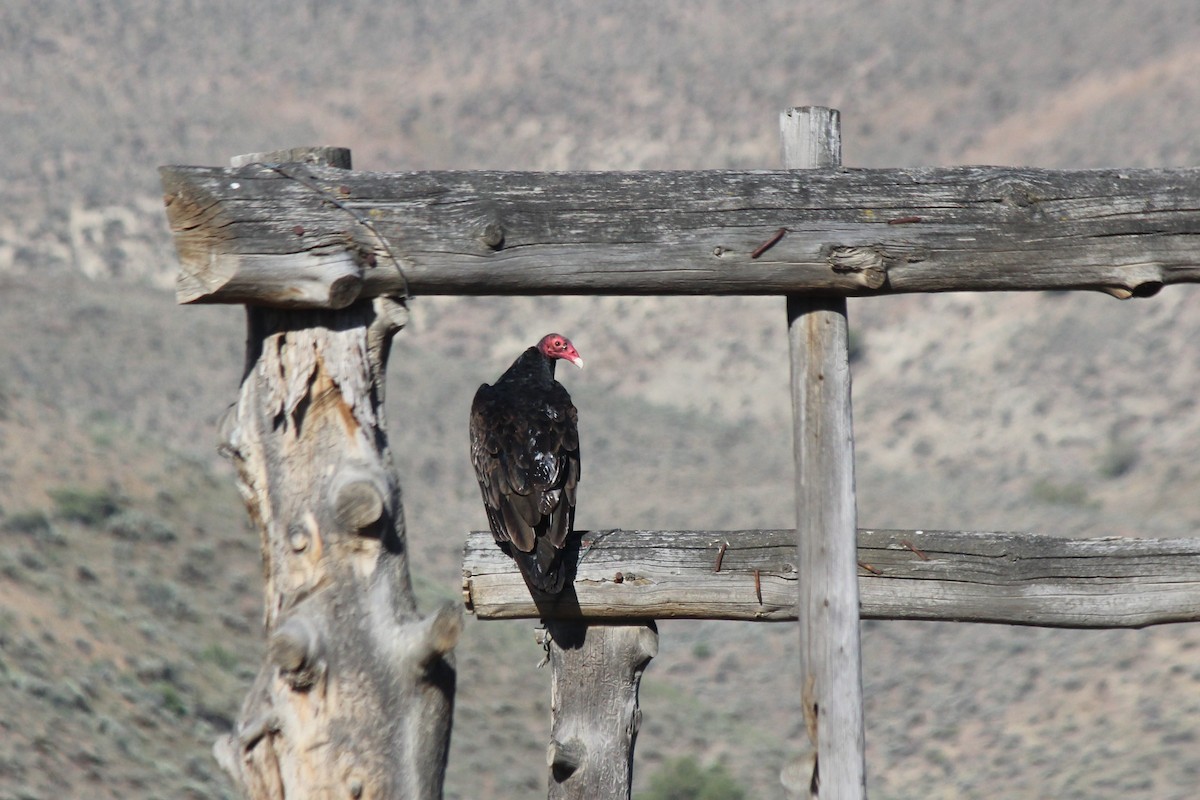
{"points": [[525, 447]]}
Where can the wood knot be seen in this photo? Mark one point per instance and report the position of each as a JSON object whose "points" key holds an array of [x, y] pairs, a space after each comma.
{"points": [[358, 500], [296, 649], [344, 290], [1020, 194], [1138, 281], [491, 235], [868, 264], [647, 642], [565, 758], [443, 629], [391, 314]]}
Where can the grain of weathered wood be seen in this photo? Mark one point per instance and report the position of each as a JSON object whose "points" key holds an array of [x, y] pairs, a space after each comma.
{"points": [[320, 275], [1009, 578], [848, 232], [356, 688], [596, 671], [337, 157], [826, 511]]}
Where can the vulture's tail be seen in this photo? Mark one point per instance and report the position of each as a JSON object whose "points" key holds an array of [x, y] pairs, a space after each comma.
{"points": [[544, 568]]}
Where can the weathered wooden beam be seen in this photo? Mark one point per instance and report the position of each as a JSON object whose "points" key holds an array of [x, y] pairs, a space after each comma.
{"points": [[826, 512], [313, 230], [1008, 578]]}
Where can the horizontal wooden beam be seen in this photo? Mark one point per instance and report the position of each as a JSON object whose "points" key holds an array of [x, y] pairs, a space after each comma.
{"points": [[1020, 579], [277, 233]]}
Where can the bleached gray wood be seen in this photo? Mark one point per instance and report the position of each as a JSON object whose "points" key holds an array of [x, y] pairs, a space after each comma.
{"points": [[336, 157], [323, 277], [354, 696], [949, 576], [596, 670], [826, 513], [319, 276], [847, 232]]}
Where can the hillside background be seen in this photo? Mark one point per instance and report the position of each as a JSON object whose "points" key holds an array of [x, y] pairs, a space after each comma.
{"points": [[130, 581]]}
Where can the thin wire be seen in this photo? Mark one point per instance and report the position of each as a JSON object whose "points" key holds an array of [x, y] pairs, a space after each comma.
{"points": [[308, 183]]}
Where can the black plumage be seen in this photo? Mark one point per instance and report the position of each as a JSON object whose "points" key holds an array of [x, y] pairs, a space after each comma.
{"points": [[525, 448]]}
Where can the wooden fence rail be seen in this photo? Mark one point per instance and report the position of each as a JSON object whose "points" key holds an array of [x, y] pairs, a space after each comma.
{"points": [[301, 235], [1012, 578]]}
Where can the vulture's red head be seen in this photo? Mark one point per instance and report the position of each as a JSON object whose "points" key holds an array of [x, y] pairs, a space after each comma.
{"points": [[555, 345]]}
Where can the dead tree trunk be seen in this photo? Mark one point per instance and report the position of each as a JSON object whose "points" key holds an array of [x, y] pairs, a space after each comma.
{"points": [[595, 674], [355, 695]]}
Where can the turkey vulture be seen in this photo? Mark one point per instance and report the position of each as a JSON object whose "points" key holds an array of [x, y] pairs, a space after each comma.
{"points": [[525, 447]]}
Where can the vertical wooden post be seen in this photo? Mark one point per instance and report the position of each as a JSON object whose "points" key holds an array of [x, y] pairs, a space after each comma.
{"points": [[355, 693], [595, 674], [826, 516]]}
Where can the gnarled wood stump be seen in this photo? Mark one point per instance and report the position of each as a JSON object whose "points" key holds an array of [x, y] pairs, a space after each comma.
{"points": [[355, 695], [596, 671]]}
